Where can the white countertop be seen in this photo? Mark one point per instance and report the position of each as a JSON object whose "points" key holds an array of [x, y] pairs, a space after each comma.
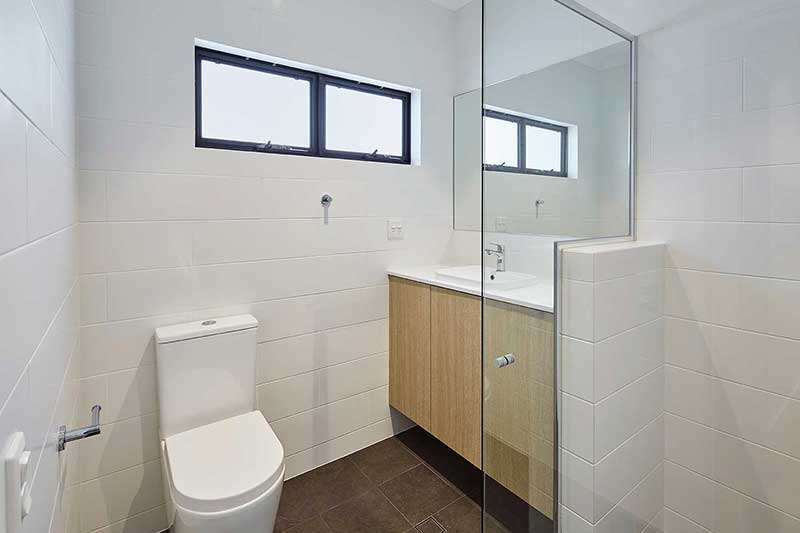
{"points": [[537, 296]]}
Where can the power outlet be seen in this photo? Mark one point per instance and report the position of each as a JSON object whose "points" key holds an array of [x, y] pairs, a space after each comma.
{"points": [[501, 224], [395, 230]]}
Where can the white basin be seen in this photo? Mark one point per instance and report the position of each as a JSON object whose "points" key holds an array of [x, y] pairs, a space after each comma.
{"points": [[471, 275]]}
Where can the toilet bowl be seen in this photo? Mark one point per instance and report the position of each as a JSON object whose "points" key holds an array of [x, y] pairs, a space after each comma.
{"points": [[226, 476], [222, 464]]}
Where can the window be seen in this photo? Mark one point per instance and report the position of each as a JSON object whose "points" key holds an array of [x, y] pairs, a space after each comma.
{"points": [[519, 144], [248, 104]]}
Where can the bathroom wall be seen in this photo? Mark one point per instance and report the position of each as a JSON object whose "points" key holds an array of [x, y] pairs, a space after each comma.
{"points": [[172, 233], [39, 287], [719, 182], [611, 378]]}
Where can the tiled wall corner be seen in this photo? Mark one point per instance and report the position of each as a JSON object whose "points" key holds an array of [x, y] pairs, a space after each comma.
{"points": [[611, 413], [719, 180]]}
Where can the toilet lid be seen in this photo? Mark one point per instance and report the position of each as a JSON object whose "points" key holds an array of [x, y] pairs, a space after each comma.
{"points": [[223, 465]]}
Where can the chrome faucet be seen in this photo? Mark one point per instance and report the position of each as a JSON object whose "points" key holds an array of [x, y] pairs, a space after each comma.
{"points": [[500, 252]]}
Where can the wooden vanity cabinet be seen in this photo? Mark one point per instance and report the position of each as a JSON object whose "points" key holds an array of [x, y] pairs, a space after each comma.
{"points": [[436, 379], [456, 371], [410, 349]]}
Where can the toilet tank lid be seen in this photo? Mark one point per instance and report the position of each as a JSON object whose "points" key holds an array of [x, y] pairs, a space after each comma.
{"points": [[205, 328]]}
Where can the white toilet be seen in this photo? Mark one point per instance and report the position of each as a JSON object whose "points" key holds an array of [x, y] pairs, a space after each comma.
{"points": [[222, 464]]}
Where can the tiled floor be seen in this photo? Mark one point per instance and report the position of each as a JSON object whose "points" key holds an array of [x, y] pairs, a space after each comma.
{"points": [[408, 483]]}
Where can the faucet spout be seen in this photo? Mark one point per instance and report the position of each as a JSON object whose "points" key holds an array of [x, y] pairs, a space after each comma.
{"points": [[499, 251]]}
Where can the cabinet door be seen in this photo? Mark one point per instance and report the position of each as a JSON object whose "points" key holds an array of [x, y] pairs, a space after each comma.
{"points": [[456, 371], [410, 349], [518, 406]]}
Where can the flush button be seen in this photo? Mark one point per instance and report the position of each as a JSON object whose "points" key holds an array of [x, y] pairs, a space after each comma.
{"points": [[208, 323]]}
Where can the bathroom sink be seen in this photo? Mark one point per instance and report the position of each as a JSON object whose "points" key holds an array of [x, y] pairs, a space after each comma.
{"points": [[471, 275]]}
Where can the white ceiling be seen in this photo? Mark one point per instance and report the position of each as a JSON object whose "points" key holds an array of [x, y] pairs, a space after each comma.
{"points": [[635, 16]]}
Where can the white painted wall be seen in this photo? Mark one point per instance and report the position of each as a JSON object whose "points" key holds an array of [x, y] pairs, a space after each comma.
{"points": [[719, 182], [39, 287], [172, 233]]}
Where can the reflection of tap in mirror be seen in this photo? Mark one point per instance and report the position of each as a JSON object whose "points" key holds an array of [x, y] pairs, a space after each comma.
{"points": [[538, 203]]}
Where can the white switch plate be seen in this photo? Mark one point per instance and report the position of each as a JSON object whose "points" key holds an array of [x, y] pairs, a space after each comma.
{"points": [[395, 230], [501, 224], [14, 493]]}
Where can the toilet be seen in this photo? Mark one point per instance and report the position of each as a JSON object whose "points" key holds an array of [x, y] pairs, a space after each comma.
{"points": [[222, 464]]}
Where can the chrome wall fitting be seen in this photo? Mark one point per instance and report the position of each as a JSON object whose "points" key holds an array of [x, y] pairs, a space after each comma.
{"points": [[91, 430]]}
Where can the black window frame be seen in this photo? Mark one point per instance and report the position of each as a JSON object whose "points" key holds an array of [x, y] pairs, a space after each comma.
{"points": [[520, 166], [318, 82]]}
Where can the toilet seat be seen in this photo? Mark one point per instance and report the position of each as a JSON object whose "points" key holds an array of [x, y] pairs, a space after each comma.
{"points": [[223, 465]]}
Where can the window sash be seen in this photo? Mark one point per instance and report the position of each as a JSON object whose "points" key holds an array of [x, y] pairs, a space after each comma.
{"points": [[521, 164], [317, 82]]}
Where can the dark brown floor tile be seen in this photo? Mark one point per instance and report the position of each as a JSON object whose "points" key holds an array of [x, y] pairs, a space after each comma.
{"points": [[369, 513], [463, 516], [313, 493], [419, 493], [385, 460], [315, 525], [448, 464], [429, 525]]}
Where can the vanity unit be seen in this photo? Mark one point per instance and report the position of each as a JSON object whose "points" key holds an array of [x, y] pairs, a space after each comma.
{"points": [[437, 378]]}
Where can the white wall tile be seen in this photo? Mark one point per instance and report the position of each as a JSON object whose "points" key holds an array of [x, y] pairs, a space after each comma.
{"points": [[638, 508], [676, 523], [92, 196], [689, 494], [304, 353], [772, 79], [149, 293], [36, 278], [688, 444], [50, 181], [25, 75], [331, 450], [577, 366], [623, 358], [292, 395], [305, 430], [120, 445], [135, 196], [578, 310], [111, 247], [756, 304], [221, 285], [688, 394], [698, 195], [93, 299], [771, 193], [758, 472], [576, 486], [617, 261], [116, 346], [623, 469], [576, 430], [121, 494], [13, 177], [253, 240], [628, 410], [624, 303]]}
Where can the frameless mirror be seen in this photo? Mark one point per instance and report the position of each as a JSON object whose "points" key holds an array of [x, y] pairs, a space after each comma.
{"points": [[555, 147]]}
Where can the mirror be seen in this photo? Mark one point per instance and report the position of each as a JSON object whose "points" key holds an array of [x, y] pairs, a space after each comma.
{"points": [[556, 151]]}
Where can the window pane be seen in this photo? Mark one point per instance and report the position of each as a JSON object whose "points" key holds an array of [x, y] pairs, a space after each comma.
{"points": [[500, 143], [542, 149], [361, 122], [240, 104]]}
